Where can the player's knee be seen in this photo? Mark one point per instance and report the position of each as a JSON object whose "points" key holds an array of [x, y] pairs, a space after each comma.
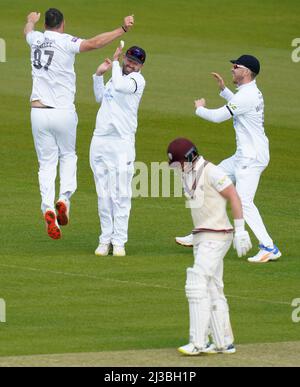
{"points": [[68, 156], [196, 287]]}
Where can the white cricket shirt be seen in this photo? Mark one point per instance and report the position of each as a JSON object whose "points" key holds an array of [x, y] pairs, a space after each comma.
{"points": [[202, 187], [120, 99], [52, 62], [247, 109]]}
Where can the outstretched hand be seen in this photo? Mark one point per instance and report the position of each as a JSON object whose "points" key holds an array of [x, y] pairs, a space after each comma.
{"points": [[220, 80]]}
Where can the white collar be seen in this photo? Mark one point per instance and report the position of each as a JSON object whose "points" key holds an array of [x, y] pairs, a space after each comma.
{"points": [[252, 83], [53, 32], [198, 164]]}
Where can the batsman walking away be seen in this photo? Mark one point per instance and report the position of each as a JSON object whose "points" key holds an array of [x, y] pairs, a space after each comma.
{"points": [[208, 189], [53, 114], [245, 167]]}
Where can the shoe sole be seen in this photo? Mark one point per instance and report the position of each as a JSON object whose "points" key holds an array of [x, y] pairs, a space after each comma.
{"points": [[184, 245], [183, 352], [230, 352], [273, 259], [52, 229], [276, 257], [62, 214], [101, 255], [109, 252], [188, 353]]}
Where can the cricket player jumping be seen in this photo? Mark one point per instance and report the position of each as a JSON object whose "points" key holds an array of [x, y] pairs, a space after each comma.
{"points": [[207, 189], [53, 115], [245, 167], [112, 153]]}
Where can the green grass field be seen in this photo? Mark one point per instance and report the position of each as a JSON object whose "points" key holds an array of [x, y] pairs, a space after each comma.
{"points": [[60, 297]]}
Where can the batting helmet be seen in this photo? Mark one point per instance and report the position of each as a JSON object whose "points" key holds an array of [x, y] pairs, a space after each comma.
{"points": [[182, 151]]}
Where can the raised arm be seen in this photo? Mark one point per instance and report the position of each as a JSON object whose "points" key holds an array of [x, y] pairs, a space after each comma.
{"points": [[32, 19], [98, 79], [102, 40], [213, 115], [224, 91]]}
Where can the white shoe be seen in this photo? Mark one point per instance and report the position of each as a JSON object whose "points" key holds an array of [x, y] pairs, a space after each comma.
{"points": [[265, 254], [186, 241], [229, 350], [119, 251], [102, 250], [191, 350]]}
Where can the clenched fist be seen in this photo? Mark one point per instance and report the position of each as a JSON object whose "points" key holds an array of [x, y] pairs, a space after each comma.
{"points": [[128, 22]]}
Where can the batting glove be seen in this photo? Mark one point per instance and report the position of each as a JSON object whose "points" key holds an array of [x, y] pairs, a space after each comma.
{"points": [[241, 242]]}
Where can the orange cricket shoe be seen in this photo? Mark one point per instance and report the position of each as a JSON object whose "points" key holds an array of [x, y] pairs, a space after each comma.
{"points": [[62, 208], [53, 229]]}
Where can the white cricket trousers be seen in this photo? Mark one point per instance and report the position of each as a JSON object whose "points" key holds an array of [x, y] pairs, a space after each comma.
{"points": [[54, 134], [209, 311], [246, 172], [112, 162]]}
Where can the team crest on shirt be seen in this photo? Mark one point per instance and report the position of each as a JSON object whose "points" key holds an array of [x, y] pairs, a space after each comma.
{"points": [[232, 106], [222, 181], [74, 40]]}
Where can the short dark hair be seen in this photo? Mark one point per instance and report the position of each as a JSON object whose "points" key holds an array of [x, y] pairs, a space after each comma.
{"points": [[53, 18]]}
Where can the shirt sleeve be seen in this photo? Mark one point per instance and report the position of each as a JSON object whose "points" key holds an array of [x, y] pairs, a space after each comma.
{"points": [[98, 87], [227, 94], [214, 115], [31, 37], [73, 44], [218, 179], [239, 104], [129, 84]]}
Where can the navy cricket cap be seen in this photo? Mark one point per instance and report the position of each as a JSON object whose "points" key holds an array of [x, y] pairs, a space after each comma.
{"points": [[248, 61], [136, 54]]}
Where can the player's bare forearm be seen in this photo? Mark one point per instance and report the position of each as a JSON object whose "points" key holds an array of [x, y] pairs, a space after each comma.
{"points": [[101, 40], [230, 193], [28, 28], [32, 19], [104, 39]]}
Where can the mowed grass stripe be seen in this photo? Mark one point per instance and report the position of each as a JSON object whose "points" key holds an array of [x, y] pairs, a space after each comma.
{"points": [[254, 355], [136, 283]]}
